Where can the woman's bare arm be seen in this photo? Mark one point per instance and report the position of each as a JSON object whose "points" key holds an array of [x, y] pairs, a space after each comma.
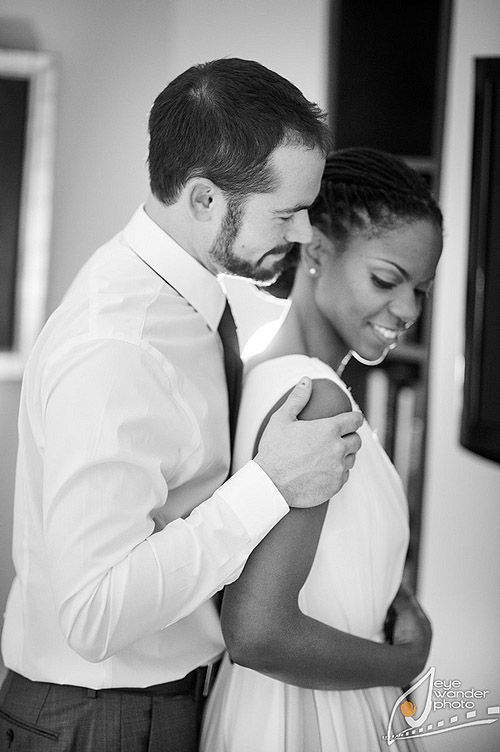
{"points": [[265, 629]]}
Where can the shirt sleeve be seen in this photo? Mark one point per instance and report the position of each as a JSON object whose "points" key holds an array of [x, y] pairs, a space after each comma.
{"points": [[111, 447]]}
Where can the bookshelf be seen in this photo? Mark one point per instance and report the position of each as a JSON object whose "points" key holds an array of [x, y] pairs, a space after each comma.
{"points": [[388, 64]]}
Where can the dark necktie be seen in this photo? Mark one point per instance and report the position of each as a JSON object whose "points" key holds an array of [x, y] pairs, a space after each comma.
{"points": [[233, 368], [232, 365]]}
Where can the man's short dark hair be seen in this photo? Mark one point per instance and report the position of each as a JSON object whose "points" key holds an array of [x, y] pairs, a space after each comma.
{"points": [[222, 120]]}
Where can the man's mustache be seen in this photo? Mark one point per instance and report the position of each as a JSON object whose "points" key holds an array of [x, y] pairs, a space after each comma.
{"points": [[277, 251]]}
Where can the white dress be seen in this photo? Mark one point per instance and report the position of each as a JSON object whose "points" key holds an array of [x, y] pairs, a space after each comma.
{"points": [[356, 573]]}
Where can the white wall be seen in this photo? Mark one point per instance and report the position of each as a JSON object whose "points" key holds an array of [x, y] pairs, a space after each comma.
{"points": [[114, 57], [461, 538]]}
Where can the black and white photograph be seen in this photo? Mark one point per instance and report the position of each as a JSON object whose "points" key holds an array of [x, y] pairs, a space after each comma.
{"points": [[249, 368]]}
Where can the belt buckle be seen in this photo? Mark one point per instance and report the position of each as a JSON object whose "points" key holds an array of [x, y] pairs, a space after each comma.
{"points": [[208, 680]]}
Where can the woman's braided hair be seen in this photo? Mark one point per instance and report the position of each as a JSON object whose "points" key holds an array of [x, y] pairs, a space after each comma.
{"points": [[363, 188]]}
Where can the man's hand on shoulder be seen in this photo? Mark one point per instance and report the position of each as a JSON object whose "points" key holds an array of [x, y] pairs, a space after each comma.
{"points": [[308, 449]]}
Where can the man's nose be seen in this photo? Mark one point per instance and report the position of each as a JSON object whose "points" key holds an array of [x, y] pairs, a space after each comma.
{"points": [[299, 228]]}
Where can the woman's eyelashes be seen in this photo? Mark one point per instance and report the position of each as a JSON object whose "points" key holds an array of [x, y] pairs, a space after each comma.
{"points": [[383, 284]]}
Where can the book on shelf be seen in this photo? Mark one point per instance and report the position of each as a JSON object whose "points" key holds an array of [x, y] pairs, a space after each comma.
{"points": [[404, 438], [391, 410], [377, 391]]}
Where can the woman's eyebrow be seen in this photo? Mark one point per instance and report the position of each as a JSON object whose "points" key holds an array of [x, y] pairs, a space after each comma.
{"points": [[393, 263], [404, 273]]}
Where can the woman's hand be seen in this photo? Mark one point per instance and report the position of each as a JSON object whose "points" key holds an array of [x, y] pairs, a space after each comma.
{"points": [[410, 629]]}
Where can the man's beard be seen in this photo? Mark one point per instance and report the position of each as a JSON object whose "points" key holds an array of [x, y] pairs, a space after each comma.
{"points": [[225, 259]]}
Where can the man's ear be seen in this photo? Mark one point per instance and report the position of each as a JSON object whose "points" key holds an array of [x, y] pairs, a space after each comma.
{"points": [[204, 199], [313, 253]]}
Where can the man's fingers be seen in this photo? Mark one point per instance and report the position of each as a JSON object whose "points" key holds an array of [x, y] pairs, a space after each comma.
{"points": [[348, 422], [352, 443], [296, 400], [349, 461]]}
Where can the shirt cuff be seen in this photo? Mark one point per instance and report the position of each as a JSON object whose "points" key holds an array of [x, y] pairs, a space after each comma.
{"points": [[254, 499]]}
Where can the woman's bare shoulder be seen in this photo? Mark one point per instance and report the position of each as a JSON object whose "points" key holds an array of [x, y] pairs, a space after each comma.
{"points": [[327, 399]]}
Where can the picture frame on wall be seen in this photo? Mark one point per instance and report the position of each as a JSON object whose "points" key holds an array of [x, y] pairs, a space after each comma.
{"points": [[27, 139], [480, 424]]}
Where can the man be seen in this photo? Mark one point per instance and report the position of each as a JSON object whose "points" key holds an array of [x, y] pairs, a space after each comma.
{"points": [[125, 524]]}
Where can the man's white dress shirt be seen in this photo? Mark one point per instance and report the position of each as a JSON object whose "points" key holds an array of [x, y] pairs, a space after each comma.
{"points": [[123, 525]]}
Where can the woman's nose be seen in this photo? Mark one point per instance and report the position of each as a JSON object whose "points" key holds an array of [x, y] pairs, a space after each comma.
{"points": [[299, 228], [406, 306]]}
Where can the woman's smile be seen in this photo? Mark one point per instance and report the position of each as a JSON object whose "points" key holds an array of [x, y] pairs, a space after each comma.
{"points": [[386, 335]]}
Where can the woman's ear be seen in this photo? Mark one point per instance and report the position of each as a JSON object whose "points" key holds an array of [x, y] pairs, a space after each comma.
{"points": [[313, 253], [204, 199]]}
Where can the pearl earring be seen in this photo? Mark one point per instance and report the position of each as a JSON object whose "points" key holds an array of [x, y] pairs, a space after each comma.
{"points": [[313, 271]]}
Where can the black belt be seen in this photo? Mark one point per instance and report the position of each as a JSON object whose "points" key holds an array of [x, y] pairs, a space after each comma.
{"points": [[197, 683]]}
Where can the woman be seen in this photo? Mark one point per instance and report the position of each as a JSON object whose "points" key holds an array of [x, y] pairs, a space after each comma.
{"points": [[316, 666]]}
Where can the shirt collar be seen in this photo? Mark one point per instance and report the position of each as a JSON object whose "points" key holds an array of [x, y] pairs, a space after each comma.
{"points": [[168, 259]]}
